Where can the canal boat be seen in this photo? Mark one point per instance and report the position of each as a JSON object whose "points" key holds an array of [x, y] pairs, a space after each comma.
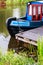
{"points": [[32, 19]]}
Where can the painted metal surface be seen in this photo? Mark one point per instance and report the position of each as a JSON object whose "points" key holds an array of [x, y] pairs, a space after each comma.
{"points": [[21, 23], [32, 19]]}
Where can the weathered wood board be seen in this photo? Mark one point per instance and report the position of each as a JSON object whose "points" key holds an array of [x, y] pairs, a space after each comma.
{"points": [[30, 36]]}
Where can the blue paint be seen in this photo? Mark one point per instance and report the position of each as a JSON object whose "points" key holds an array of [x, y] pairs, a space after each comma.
{"points": [[27, 9], [28, 21], [36, 24], [42, 18], [24, 23], [20, 23], [36, 2], [29, 18]]}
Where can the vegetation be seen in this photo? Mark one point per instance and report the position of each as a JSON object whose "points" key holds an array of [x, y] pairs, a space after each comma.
{"points": [[12, 58], [16, 2], [40, 51]]}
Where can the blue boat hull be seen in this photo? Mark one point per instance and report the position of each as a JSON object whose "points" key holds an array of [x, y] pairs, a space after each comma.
{"points": [[14, 29]]}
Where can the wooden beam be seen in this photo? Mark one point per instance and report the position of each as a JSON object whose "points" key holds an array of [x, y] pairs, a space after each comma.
{"points": [[26, 40]]}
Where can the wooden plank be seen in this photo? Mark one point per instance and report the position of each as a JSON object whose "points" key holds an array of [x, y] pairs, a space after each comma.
{"points": [[30, 36], [38, 31], [27, 41], [33, 34]]}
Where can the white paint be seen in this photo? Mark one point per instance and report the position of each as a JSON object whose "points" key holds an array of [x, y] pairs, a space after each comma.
{"points": [[30, 10]]}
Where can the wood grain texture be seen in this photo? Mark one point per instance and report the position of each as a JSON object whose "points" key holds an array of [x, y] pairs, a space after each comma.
{"points": [[31, 35]]}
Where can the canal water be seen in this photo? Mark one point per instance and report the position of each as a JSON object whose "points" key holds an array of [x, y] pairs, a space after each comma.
{"points": [[6, 41]]}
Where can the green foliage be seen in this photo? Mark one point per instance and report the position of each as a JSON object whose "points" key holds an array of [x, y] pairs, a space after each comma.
{"points": [[40, 46], [40, 51], [16, 2], [12, 58]]}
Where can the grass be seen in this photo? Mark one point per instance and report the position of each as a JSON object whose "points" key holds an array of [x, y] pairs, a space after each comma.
{"points": [[12, 58], [40, 51]]}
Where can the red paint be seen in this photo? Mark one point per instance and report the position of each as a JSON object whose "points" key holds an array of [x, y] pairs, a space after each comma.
{"points": [[38, 15]]}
